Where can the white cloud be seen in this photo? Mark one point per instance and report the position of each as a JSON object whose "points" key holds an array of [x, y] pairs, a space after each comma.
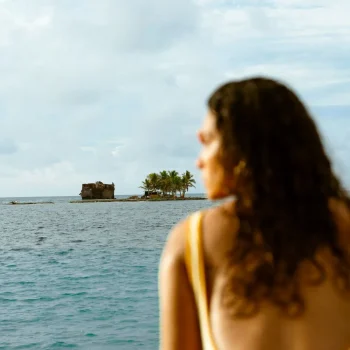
{"points": [[110, 90]]}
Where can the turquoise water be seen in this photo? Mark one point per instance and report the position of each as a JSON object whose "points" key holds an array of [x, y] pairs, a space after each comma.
{"points": [[83, 276]]}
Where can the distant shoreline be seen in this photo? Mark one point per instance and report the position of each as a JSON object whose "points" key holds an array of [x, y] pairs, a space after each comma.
{"points": [[138, 200], [28, 203], [123, 200]]}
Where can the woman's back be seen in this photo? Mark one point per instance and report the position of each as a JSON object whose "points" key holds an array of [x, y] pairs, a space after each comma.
{"points": [[277, 262], [325, 323]]}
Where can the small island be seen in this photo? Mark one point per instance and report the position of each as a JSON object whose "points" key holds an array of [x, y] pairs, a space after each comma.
{"points": [[167, 185]]}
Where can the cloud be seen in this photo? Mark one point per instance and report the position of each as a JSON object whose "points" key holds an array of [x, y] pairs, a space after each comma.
{"points": [[110, 90]]}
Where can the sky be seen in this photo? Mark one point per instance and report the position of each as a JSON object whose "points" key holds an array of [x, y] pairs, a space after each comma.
{"points": [[111, 90]]}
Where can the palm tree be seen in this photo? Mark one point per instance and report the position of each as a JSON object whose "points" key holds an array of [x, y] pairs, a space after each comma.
{"points": [[178, 185], [146, 185], [183, 187], [154, 181], [174, 182], [187, 181], [164, 182]]}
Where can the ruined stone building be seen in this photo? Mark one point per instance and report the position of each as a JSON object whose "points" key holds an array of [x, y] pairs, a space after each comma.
{"points": [[97, 190]]}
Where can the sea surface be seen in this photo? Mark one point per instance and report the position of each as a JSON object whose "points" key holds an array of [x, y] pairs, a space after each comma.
{"points": [[83, 276]]}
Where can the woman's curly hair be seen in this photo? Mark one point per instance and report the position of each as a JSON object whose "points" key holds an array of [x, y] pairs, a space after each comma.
{"points": [[291, 181]]}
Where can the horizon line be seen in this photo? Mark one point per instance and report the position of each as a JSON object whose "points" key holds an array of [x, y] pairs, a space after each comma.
{"points": [[48, 196]]}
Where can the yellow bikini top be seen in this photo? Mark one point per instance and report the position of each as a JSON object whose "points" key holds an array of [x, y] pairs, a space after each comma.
{"points": [[196, 272]]}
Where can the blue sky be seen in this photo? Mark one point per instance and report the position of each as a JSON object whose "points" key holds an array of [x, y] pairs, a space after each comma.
{"points": [[111, 90]]}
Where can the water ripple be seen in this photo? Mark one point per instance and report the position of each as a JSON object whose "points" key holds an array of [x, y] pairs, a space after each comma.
{"points": [[83, 276]]}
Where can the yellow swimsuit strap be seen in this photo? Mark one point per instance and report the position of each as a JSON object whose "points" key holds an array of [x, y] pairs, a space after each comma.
{"points": [[196, 273]]}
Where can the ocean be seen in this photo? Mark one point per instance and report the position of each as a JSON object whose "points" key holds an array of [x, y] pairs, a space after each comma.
{"points": [[83, 276]]}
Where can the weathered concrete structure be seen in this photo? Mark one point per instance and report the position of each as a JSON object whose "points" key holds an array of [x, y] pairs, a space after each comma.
{"points": [[97, 190]]}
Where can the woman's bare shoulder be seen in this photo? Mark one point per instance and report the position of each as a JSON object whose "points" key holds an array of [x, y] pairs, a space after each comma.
{"points": [[174, 248], [220, 225], [175, 245]]}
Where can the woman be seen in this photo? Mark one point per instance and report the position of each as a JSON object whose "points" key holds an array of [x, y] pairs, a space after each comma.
{"points": [[270, 269]]}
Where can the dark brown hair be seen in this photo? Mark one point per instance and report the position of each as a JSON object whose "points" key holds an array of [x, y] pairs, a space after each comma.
{"points": [[264, 124]]}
